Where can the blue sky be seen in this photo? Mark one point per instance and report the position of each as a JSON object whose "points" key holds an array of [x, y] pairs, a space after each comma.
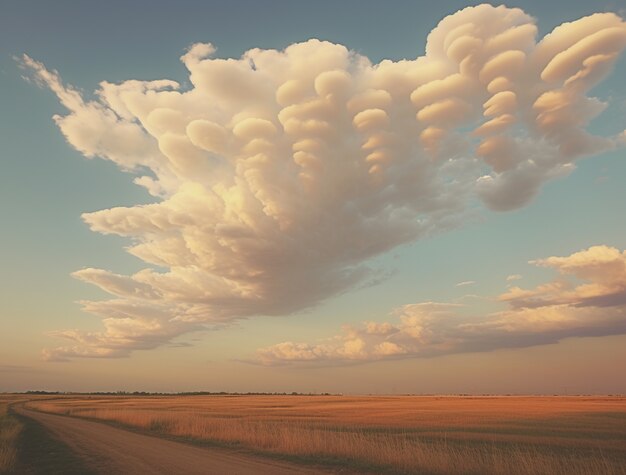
{"points": [[46, 185]]}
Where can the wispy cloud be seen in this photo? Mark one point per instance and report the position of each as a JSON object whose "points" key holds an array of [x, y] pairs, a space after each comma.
{"points": [[9, 368], [465, 283], [513, 277], [546, 314], [279, 174]]}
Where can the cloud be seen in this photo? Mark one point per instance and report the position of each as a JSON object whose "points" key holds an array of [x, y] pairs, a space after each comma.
{"points": [[602, 267], [9, 368], [513, 277], [465, 283], [278, 175], [546, 314]]}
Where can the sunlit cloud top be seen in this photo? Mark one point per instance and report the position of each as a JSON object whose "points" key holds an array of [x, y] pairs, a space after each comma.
{"points": [[278, 175]]}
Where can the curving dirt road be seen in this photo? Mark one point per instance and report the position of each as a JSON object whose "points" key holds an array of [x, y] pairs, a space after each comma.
{"points": [[109, 450]]}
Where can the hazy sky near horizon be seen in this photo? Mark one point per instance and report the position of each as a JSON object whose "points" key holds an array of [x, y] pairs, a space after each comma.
{"points": [[363, 199]]}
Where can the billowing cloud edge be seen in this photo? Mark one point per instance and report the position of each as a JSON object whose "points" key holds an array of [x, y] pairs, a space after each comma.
{"points": [[278, 175]]}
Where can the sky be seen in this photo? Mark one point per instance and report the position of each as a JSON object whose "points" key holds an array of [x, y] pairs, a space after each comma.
{"points": [[316, 197]]}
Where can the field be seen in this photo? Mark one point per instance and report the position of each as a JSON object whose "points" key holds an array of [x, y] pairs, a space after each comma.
{"points": [[399, 434], [10, 429]]}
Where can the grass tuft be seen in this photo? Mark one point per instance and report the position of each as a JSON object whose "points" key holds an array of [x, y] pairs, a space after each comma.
{"points": [[10, 429]]}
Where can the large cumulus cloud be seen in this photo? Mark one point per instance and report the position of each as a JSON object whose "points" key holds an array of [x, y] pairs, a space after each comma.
{"points": [[277, 175], [552, 311]]}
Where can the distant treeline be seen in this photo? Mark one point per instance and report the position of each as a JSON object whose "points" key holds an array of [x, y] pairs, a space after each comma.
{"points": [[187, 393], [294, 393]]}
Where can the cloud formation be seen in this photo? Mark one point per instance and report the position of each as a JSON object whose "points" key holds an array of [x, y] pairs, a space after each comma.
{"points": [[277, 175], [546, 314]]}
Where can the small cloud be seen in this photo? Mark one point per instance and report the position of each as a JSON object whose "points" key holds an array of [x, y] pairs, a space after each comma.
{"points": [[513, 277], [474, 297], [465, 283], [546, 314], [9, 368]]}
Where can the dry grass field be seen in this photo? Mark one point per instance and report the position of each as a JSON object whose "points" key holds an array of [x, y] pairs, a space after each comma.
{"points": [[10, 429], [399, 434]]}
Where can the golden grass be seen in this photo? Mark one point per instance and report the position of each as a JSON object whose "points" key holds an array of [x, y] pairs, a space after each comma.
{"points": [[438, 435], [9, 432]]}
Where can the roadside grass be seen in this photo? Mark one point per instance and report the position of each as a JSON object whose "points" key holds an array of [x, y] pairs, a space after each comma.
{"points": [[27, 448], [388, 435], [10, 429]]}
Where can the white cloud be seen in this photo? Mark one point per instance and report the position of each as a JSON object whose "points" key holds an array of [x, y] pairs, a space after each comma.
{"points": [[513, 277], [547, 314], [279, 174], [604, 269], [465, 283]]}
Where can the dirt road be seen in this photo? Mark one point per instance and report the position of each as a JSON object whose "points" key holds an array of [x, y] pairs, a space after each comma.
{"points": [[109, 450]]}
